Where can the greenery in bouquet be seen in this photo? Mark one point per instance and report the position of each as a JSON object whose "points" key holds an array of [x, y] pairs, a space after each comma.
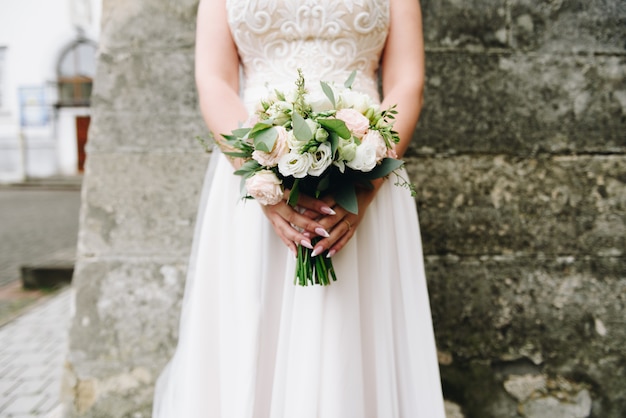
{"points": [[330, 140]]}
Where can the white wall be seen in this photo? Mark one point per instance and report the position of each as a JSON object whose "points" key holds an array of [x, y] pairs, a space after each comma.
{"points": [[35, 33]]}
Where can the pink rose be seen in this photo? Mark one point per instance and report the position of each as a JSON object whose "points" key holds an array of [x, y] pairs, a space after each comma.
{"points": [[281, 147], [265, 187], [378, 143], [356, 122]]}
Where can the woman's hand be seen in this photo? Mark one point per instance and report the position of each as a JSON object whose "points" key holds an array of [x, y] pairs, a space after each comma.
{"points": [[298, 226], [343, 224]]}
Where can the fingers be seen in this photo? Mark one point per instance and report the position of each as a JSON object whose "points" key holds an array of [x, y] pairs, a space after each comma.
{"points": [[292, 227], [312, 205], [340, 234]]}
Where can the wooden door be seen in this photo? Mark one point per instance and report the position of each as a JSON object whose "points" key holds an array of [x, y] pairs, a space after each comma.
{"points": [[82, 129]]}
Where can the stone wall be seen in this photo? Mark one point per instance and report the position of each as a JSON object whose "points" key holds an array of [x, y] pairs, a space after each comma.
{"points": [[521, 166], [520, 161]]}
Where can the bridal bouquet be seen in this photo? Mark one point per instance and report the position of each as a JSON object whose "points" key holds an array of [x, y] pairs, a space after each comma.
{"points": [[329, 142]]}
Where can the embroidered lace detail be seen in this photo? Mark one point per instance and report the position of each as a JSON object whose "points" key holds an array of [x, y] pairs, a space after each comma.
{"points": [[327, 39]]}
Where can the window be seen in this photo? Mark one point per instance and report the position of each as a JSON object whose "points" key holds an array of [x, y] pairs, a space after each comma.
{"points": [[75, 69]]}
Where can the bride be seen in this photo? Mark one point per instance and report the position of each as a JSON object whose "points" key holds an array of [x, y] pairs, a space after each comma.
{"points": [[251, 344]]}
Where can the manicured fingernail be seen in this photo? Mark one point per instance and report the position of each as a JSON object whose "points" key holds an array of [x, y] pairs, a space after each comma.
{"points": [[308, 234], [306, 243], [330, 253], [317, 251], [328, 210], [322, 232]]}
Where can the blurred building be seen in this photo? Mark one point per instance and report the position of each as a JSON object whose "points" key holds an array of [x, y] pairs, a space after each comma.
{"points": [[47, 64]]}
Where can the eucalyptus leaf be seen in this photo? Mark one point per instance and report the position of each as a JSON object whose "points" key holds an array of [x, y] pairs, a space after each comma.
{"points": [[345, 196], [350, 80], [300, 128], [386, 167], [264, 140], [248, 168], [235, 154], [334, 141], [260, 126], [241, 132], [294, 193], [336, 125], [328, 91]]}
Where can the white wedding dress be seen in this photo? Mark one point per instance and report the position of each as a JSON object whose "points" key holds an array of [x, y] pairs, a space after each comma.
{"points": [[251, 343]]}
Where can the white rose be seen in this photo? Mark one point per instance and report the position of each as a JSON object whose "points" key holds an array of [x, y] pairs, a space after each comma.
{"points": [[322, 158], [365, 157], [295, 164], [355, 100], [281, 147], [354, 120], [378, 142], [265, 187], [319, 101]]}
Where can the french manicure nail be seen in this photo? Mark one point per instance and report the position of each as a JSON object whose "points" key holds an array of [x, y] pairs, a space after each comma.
{"points": [[330, 253], [307, 244], [322, 232], [328, 210], [317, 251]]}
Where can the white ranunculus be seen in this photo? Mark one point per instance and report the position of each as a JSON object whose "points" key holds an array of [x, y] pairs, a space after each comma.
{"points": [[295, 164], [265, 187], [365, 157], [355, 100], [322, 158]]}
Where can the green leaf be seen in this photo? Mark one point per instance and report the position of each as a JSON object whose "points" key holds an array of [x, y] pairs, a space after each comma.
{"points": [[264, 140], [386, 166], [334, 142], [236, 154], [328, 91], [241, 132], [260, 126], [345, 196], [336, 125], [350, 80], [248, 168], [294, 193], [301, 130]]}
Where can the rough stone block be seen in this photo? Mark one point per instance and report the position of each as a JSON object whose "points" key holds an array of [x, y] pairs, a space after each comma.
{"points": [[145, 24], [462, 23], [157, 81], [117, 131], [121, 320], [569, 26], [522, 104], [499, 316], [140, 204], [563, 205]]}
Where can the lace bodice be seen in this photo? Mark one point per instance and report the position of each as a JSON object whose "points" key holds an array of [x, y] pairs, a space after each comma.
{"points": [[327, 39]]}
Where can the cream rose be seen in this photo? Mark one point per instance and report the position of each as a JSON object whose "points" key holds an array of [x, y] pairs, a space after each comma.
{"points": [[319, 101], [265, 187], [279, 112], [378, 142], [354, 120], [295, 164], [281, 147]]}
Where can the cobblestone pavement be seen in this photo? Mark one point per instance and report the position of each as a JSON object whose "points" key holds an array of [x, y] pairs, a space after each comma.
{"points": [[32, 352], [34, 225]]}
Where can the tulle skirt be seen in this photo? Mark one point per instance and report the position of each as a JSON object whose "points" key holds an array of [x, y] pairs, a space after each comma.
{"points": [[252, 344]]}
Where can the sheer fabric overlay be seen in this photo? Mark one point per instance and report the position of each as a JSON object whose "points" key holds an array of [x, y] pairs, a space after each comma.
{"points": [[251, 344]]}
